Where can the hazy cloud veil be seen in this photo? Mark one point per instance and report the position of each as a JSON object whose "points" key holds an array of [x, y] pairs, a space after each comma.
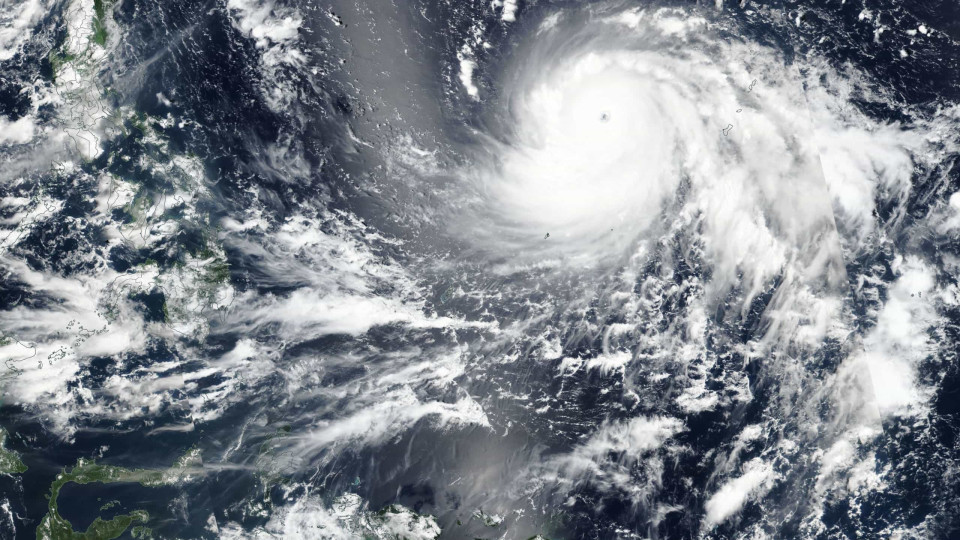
{"points": [[479, 269]]}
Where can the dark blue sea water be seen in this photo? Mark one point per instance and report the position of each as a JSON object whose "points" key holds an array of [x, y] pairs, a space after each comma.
{"points": [[313, 245]]}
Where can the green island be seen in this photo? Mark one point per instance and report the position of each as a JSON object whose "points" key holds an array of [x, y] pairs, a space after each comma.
{"points": [[141, 532], [86, 471], [99, 22], [10, 462]]}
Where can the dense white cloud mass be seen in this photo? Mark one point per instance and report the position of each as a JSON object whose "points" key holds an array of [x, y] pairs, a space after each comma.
{"points": [[501, 268]]}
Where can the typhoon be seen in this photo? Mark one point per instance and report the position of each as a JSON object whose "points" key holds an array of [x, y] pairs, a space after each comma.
{"points": [[479, 269]]}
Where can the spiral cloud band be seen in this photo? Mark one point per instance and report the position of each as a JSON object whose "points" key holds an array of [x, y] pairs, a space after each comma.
{"points": [[456, 269], [618, 119]]}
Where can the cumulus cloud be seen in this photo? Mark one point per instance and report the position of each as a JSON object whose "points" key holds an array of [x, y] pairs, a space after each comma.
{"points": [[16, 23], [265, 22], [17, 132], [757, 479], [345, 518]]}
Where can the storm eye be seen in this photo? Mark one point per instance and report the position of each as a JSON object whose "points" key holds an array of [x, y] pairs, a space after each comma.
{"points": [[604, 116]]}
